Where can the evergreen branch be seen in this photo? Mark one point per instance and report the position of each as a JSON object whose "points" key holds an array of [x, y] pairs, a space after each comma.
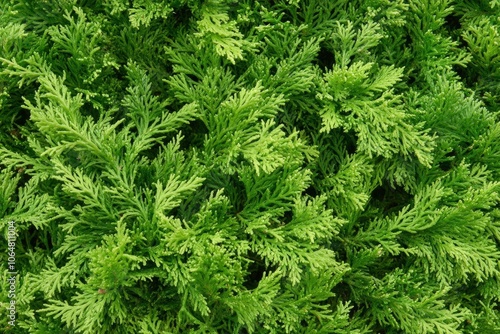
{"points": [[170, 196], [83, 187]]}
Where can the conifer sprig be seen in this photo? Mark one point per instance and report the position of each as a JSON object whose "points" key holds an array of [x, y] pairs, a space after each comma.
{"points": [[288, 166]]}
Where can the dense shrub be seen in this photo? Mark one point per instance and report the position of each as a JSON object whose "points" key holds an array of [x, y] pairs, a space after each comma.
{"points": [[222, 166]]}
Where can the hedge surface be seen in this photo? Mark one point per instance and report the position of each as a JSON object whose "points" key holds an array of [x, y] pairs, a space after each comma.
{"points": [[222, 166]]}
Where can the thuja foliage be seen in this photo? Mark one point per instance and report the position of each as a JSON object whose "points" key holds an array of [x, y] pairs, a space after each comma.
{"points": [[222, 166]]}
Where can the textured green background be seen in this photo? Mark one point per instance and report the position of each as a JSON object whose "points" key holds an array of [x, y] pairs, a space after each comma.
{"points": [[290, 166]]}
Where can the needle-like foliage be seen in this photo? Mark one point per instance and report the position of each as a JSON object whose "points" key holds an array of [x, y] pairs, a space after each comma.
{"points": [[222, 166]]}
